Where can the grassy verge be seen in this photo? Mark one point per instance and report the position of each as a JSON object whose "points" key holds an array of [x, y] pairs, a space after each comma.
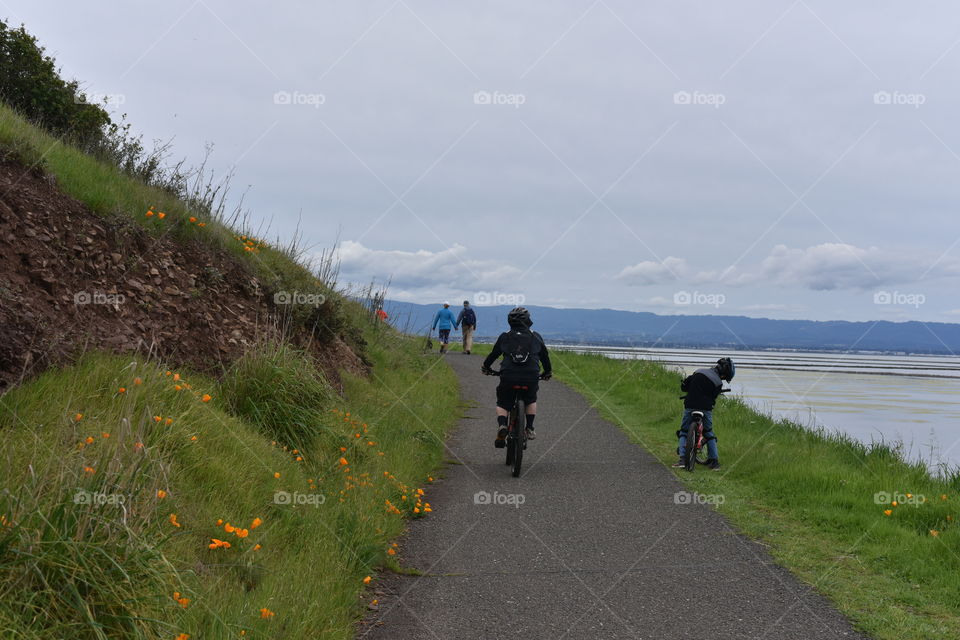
{"points": [[142, 503], [809, 496]]}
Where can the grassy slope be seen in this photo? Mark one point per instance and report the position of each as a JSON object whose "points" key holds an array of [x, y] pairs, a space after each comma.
{"points": [[108, 192], [65, 565], [94, 570], [809, 496]]}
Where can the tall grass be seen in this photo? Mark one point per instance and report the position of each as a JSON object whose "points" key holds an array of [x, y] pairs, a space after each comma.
{"points": [[92, 475], [811, 496]]}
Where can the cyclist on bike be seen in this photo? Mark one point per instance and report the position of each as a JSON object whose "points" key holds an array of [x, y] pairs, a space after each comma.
{"points": [[702, 389], [523, 351]]}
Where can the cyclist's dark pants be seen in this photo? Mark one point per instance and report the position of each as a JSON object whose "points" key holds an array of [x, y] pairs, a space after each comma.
{"points": [[707, 433], [506, 392]]}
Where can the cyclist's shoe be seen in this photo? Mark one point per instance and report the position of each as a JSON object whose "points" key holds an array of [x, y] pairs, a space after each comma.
{"points": [[531, 434], [501, 440], [713, 464], [679, 464]]}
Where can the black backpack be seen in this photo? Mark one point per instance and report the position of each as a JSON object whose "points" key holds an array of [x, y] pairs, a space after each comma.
{"points": [[518, 345], [469, 317]]}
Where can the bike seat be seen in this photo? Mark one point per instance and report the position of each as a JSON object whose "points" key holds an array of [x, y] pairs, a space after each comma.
{"points": [[696, 414]]}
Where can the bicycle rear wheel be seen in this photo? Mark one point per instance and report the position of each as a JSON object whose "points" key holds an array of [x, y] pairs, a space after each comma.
{"points": [[690, 453], [519, 436], [511, 422]]}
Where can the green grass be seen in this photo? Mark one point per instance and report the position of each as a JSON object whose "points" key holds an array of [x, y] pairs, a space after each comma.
{"points": [[809, 496], [77, 570]]}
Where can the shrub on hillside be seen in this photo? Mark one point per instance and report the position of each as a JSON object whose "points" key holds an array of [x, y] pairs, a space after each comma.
{"points": [[30, 82]]}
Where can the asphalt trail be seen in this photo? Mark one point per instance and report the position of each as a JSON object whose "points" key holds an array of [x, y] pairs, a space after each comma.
{"points": [[599, 548]]}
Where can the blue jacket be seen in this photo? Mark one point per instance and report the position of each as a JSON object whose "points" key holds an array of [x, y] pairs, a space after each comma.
{"points": [[444, 318]]}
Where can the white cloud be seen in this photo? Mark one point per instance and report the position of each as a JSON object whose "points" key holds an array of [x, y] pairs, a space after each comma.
{"points": [[449, 270], [823, 267], [649, 272]]}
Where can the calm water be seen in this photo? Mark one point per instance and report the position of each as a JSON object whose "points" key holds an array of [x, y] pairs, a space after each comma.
{"points": [[910, 400]]}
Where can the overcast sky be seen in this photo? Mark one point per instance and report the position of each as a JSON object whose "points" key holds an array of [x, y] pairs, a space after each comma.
{"points": [[766, 158]]}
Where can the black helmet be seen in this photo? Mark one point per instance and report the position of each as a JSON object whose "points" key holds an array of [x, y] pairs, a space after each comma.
{"points": [[519, 317], [726, 369]]}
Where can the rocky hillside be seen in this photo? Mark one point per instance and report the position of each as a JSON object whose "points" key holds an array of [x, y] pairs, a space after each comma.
{"points": [[72, 280]]}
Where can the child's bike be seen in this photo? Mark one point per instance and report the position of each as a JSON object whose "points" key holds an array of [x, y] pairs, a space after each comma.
{"points": [[696, 450]]}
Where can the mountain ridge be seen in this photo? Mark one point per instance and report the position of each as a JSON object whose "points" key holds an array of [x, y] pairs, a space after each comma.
{"points": [[643, 328]]}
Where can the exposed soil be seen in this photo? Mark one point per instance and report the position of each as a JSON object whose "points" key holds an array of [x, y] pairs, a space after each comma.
{"points": [[71, 281]]}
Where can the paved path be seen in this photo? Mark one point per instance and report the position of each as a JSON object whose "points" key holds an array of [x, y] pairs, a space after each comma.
{"points": [[598, 549]]}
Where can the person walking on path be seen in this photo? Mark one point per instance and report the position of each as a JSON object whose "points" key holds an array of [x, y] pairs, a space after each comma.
{"points": [[467, 323], [445, 320]]}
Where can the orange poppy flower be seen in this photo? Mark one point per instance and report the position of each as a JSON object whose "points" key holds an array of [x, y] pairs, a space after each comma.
{"points": [[206, 397]]}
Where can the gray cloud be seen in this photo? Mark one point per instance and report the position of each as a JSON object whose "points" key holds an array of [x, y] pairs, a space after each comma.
{"points": [[400, 159]]}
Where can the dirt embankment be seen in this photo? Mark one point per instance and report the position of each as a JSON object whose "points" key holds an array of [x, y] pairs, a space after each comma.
{"points": [[71, 280]]}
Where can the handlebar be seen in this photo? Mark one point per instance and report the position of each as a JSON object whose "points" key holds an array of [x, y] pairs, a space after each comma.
{"points": [[721, 391], [496, 372]]}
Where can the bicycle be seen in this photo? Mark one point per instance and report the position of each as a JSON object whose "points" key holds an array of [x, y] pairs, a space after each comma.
{"points": [[696, 453], [516, 439]]}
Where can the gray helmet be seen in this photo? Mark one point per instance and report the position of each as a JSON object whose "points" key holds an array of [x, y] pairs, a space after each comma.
{"points": [[519, 317]]}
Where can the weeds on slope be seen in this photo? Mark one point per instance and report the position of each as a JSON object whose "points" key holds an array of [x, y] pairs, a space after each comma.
{"points": [[139, 502]]}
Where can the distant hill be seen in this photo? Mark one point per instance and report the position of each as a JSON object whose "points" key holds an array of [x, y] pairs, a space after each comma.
{"points": [[607, 326]]}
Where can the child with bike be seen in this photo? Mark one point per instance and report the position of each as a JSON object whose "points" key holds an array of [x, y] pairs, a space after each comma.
{"points": [[703, 387], [523, 351]]}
